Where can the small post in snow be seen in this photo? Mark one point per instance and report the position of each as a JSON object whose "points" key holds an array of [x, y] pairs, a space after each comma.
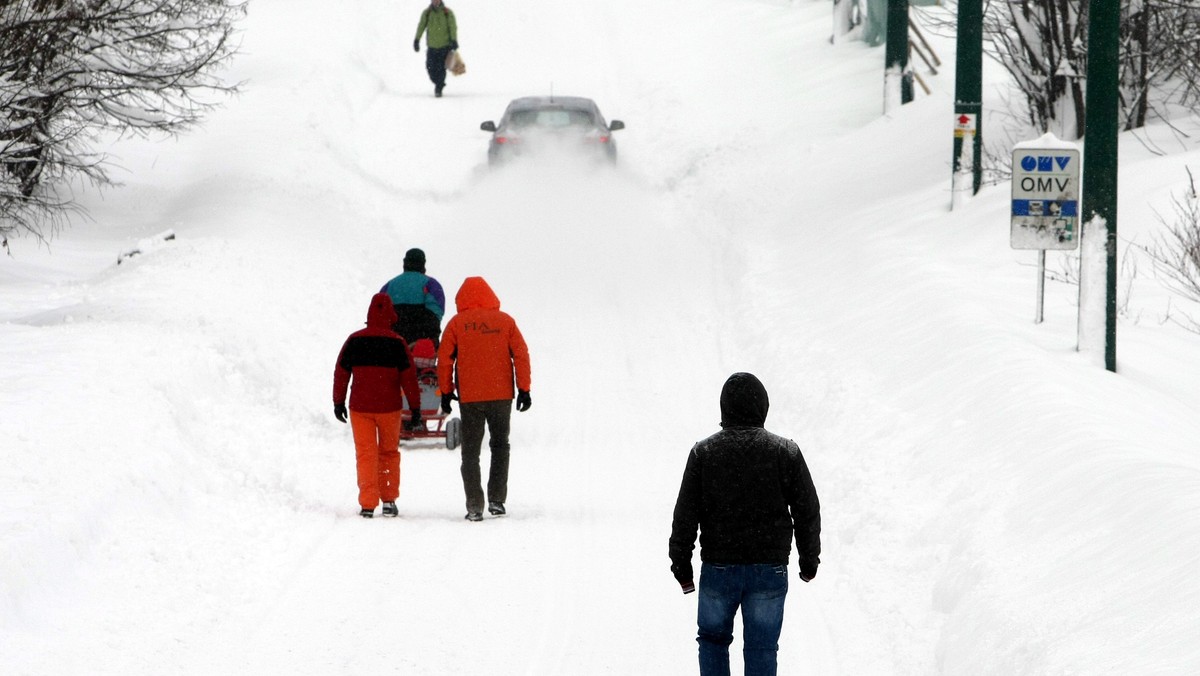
{"points": [[843, 19], [1045, 201]]}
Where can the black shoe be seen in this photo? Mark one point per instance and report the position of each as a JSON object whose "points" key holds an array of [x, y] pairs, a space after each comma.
{"points": [[474, 516], [496, 508], [437, 90], [389, 509], [367, 513]]}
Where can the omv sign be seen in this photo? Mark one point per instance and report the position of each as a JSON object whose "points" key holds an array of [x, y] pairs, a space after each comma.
{"points": [[1045, 194], [1047, 173]]}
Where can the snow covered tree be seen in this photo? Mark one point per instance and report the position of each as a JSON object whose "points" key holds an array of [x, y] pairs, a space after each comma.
{"points": [[74, 70], [1042, 44], [1160, 47]]}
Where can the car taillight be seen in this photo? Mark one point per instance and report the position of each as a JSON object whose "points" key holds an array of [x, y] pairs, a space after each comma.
{"points": [[501, 139]]}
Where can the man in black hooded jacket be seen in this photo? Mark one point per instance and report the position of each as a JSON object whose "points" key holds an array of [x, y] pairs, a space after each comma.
{"points": [[750, 493]]}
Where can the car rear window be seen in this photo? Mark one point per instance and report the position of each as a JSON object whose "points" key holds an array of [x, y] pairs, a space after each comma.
{"points": [[551, 118]]}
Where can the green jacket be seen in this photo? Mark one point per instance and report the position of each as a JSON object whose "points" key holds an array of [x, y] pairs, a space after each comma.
{"points": [[441, 26]]}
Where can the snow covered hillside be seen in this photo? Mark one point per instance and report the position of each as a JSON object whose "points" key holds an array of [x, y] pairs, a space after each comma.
{"points": [[177, 496]]}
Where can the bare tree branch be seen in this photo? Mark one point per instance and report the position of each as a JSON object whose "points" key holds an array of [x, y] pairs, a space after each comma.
{"points": [[73, 69], [1176, 254]]}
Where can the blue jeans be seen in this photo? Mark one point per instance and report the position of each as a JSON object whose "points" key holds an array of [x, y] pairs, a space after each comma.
{"points": [[760, 590]]}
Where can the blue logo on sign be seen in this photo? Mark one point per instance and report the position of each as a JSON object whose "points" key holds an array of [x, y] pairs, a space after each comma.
{"points": [[1044, 162]]}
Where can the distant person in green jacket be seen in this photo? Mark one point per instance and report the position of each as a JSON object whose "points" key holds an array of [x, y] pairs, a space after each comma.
{"points": [[441, 38]]}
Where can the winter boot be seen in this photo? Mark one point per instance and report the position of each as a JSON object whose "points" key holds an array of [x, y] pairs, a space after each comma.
{"points": [[389, 509], [474, 516], [367, 513], [496, 508]]}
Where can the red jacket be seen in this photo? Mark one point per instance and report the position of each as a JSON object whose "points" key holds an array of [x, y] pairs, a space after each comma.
{"points": [[380, 364], [483, 347]]}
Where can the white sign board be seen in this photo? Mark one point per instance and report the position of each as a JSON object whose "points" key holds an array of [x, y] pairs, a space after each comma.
{"points": [[1045, 195]]}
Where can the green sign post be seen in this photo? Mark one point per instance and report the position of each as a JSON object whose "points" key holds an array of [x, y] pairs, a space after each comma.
{"points": [[896, 54], [968, 93], [1100, 152]]}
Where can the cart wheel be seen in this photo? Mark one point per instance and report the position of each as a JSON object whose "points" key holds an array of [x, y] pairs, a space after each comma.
{"points": [[453, 433]]}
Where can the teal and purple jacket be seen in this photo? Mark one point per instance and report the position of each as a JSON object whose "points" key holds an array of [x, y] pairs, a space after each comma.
{"points": [[417, 288]]}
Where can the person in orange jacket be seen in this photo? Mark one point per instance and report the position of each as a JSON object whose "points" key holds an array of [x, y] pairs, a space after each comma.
{"points": [[381, 366], [483, 352]]}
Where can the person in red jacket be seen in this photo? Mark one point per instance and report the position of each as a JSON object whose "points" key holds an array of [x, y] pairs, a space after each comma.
{"points": [[378, 361], [482, 352]]}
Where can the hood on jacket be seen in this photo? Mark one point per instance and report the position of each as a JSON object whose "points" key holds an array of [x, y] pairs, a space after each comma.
{"points": [[381, 314], [475, 294], [744, 401]]}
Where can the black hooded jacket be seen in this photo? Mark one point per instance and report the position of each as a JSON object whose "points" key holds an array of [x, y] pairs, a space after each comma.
{"points": [[747, 490]]}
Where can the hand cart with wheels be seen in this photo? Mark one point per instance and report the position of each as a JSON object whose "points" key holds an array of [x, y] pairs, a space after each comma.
{"points": [[435, 424]]}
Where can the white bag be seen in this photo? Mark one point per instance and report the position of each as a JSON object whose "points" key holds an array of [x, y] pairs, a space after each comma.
{"points": [[455, 64]]}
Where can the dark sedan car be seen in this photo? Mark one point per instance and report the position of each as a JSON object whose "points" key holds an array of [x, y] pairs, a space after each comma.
{"points": [[550, 124]]}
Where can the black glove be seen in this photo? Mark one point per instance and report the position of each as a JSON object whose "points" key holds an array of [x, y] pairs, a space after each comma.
{"points": [[808, 572], [523, 402], [454, 44], [414, 421], [417, 45], [683, 575], [446, 399], [339, 412]]}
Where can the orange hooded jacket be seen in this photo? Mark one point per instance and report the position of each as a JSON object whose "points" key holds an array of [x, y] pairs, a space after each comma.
{"points": [[482, 349]]}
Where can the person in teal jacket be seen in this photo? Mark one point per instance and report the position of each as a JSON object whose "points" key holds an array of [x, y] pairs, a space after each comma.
{"points": [[418, 299], [441, 38]]}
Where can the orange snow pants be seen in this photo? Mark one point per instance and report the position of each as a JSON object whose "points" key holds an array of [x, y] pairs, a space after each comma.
{"points": [[377, 448]]}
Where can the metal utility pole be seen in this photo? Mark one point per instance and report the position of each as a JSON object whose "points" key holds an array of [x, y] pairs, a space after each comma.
{"points": [[1100, 150], [896, 77], [968, 93]]}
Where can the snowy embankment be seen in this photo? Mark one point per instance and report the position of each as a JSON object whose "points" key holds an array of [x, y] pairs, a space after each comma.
{"points": [[176, 494]]}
